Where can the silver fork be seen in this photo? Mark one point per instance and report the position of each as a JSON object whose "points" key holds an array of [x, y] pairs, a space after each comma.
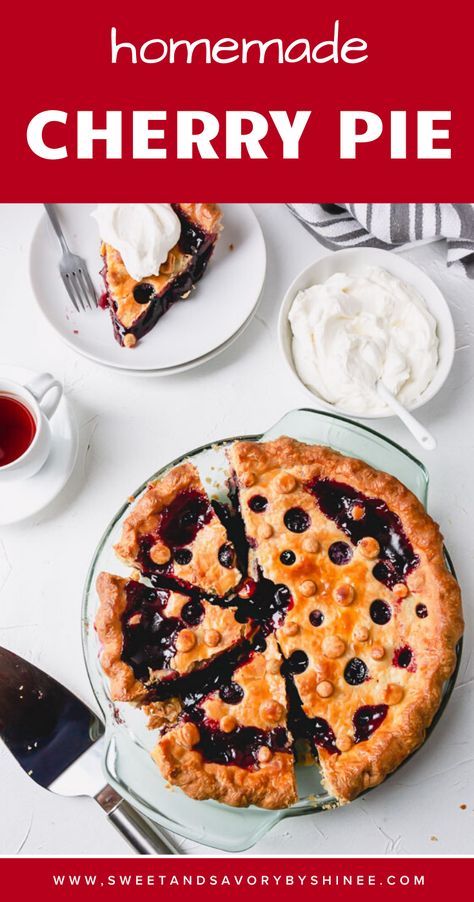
{"points": [[73, 269]]}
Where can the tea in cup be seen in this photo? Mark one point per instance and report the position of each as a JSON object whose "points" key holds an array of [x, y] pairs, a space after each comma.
{"points": [[25, 433]]}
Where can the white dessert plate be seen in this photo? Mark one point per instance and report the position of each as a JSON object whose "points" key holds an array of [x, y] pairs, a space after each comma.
{"points": [[191, 330], [352, 261], [173, 370], [26, 497]]}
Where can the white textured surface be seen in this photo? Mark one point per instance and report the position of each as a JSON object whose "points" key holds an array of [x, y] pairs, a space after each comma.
{"points": [[128, 428]]}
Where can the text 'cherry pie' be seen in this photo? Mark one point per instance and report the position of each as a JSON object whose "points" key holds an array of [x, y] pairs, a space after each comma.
{"points": [[314, 612]]}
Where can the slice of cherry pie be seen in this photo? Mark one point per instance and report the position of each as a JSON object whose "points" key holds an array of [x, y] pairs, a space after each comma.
{"points": [[150, 635], [174, 534], [336, 637], [233, 744], [135, 307]]}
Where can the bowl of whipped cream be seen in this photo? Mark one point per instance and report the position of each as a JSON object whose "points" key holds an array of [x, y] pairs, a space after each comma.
{"points": [[359, 316]]}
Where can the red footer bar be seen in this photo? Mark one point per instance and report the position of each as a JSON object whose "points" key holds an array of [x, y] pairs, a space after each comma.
{"points": [[262, 879]]}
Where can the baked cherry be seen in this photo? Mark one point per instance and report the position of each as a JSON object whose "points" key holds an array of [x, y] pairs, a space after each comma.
{"points": [[380, 612], [226, 555], [282, 597], [316, 618], [403, 657], [297, 520], [192, 612], [288, 558], [367, 719], [340, 553], [258, 503], [355, 672], [183, 556], [383, 573], [297, 662], [143, 293], [421, 611], [247, 588], [232, 693]]}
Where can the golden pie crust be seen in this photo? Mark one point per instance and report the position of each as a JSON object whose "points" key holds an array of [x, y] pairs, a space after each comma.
{"points": [[279, 471], [204, 569]]}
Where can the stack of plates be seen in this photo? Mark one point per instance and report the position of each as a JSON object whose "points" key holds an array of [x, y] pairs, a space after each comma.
{"points": [[189, 334]]}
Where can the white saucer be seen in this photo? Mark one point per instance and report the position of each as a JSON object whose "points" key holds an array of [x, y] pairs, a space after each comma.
{"points": [[190, 332], [25, 498]]}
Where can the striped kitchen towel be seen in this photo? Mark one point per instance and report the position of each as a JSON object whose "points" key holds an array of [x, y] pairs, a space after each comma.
{"points": [[391, 225]]}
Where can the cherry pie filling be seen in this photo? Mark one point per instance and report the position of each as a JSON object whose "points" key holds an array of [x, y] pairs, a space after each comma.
{"points": [[150, 638], [264, 602], [179, 525], [193, 241], [367, 719], [315, 731], [193, 687], [149, 635], [373, 518], [241, 747]]}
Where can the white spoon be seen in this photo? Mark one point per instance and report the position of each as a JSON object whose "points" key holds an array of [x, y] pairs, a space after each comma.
{"points": [[425, 439]]}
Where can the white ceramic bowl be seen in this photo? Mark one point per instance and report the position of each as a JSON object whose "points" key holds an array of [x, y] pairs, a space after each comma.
{"points": [[351, 261]]}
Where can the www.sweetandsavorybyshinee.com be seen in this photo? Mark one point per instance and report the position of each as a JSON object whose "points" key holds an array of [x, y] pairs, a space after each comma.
{"points": [[237, 880]]}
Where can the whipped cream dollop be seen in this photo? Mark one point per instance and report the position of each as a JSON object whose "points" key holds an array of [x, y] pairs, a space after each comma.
{"points": [[354, 330], [143, 234]]}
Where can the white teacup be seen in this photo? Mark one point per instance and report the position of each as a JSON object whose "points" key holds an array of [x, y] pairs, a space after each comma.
{"points": [[33, 397]]}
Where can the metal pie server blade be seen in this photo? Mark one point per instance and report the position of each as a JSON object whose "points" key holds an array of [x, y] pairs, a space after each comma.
{"points": [[58, 741]]}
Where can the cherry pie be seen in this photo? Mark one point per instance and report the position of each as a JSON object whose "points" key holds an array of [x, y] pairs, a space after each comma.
{"points": [[338, 623], [135, 307]]}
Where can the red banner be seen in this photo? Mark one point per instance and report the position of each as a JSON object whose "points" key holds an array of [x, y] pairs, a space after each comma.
{"points": [[268, 102], [250, 878]]}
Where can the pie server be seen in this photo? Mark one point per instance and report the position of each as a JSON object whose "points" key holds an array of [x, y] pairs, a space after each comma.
{"points": [[60, 744]]}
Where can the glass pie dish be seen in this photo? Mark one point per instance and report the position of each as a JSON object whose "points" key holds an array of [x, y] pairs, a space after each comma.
{"points": [[128, 765]]}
